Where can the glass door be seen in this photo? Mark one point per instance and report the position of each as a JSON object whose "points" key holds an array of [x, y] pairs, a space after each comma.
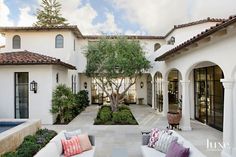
{"points": [[21, 95], [209, 96]]}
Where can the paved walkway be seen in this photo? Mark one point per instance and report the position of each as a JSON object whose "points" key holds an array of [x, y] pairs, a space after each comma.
{"points": [[109, 139]]}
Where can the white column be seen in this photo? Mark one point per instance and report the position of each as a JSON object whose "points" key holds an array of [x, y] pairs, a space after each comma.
{"points": [[153, 93], [185, 121], [165, 97], [228, 118]]}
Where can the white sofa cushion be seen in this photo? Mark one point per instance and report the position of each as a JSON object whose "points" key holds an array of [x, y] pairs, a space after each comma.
{"points": [[194, 152], [57, 140], [49, 150], [151, 152]]}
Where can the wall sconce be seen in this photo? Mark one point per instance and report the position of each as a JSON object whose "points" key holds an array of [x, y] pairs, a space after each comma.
{"points": [[57, 77], [141, 84], [85, 85], [33, 86]]}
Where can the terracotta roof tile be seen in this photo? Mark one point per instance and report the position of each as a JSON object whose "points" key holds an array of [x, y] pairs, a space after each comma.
{"points": [[30, 58], [73, 28], [127, 36], [203, 34], [194, 23]]}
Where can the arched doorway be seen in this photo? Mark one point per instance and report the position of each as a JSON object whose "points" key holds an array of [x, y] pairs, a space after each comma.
{"points": [[149, 89], [209, 94], [158, 92], [174, 94]]}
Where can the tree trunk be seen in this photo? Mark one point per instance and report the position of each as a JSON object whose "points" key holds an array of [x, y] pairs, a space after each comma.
{"points": [[114, 102]]}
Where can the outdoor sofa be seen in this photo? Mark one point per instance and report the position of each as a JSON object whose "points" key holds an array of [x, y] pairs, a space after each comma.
{"points": [[151, 152], [54, 148]]}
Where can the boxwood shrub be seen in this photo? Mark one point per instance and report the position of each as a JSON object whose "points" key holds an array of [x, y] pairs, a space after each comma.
{"points": [[32, 144], [123, 116]]}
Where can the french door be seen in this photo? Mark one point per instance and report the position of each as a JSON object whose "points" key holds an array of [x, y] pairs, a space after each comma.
{"points": [[209, 96], [21, 95]]}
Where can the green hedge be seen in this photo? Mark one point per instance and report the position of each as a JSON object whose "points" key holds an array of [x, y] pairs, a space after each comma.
{"points": [[32, 144], [123, 116]]}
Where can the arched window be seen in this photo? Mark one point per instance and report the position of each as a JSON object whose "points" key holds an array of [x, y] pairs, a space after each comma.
{"points": [[59, 42], [157, 46], [16, 41]]}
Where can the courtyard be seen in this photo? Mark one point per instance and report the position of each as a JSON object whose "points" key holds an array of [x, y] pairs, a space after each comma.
{"points": [[114, 139]]}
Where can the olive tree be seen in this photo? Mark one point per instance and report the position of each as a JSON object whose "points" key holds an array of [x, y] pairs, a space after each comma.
{"points": [[112, 60]]}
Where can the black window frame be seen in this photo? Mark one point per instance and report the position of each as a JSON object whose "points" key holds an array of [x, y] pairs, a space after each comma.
{"points": [[15, 73]]}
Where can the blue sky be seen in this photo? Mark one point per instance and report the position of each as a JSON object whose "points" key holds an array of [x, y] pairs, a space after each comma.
{"points": [[100, 6], [149, 17]]}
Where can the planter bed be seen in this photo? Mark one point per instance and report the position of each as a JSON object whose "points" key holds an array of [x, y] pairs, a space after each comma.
{"points": [[123, 116]]}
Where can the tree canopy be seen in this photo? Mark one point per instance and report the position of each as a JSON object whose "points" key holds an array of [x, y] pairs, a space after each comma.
{"points": [[111, 61], [49, 15]]}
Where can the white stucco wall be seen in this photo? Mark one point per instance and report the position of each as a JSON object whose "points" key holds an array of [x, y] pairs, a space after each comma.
{"points": [[40, 102], [82, 79], [42, 42], [141, 92], [220, 51], [185, 33]]}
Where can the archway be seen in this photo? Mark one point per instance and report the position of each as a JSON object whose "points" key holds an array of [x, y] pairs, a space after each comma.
{"points": [[149, 89], [174, 90], [208, 93], [158, 94]]}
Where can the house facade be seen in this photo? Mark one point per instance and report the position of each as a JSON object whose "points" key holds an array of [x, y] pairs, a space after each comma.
{"points": [[193, 67]]}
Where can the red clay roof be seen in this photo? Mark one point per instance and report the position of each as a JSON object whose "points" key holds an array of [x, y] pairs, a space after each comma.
{"points": [[73, 28], [30, 58], [207, 32], [194, 23], [78, 34], [127, 36]]}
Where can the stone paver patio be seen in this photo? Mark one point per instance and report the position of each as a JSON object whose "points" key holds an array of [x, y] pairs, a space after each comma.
{"points": [[128, 138]]}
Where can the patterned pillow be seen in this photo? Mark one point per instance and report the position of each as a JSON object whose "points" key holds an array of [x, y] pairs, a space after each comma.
{"points": [[71, 147], [71, 134], [164, 142], [153, 137]]}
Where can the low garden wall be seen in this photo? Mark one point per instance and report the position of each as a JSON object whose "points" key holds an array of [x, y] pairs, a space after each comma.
{"points": [[12, 138]]}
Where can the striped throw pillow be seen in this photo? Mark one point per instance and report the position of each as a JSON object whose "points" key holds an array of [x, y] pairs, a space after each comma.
{"points": [[164, 142], [71, 147]]}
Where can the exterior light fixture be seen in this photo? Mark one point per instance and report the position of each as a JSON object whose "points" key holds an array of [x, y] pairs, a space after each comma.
{"points": [[33, 86], [57, 77], [171, 41], [141, 84], [85, 85]]}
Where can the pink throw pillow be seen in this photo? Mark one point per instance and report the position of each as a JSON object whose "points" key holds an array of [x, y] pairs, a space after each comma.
{"points": [[71, 147], [85, 142]]}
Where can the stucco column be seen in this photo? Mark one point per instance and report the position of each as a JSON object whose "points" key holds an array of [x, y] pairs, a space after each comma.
{"points": [[228, 118], [153, 94], [165, 97], [185, 121]]}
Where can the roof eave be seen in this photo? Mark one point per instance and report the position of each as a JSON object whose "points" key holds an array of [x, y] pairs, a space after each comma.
{"points": [[197, 38]]}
